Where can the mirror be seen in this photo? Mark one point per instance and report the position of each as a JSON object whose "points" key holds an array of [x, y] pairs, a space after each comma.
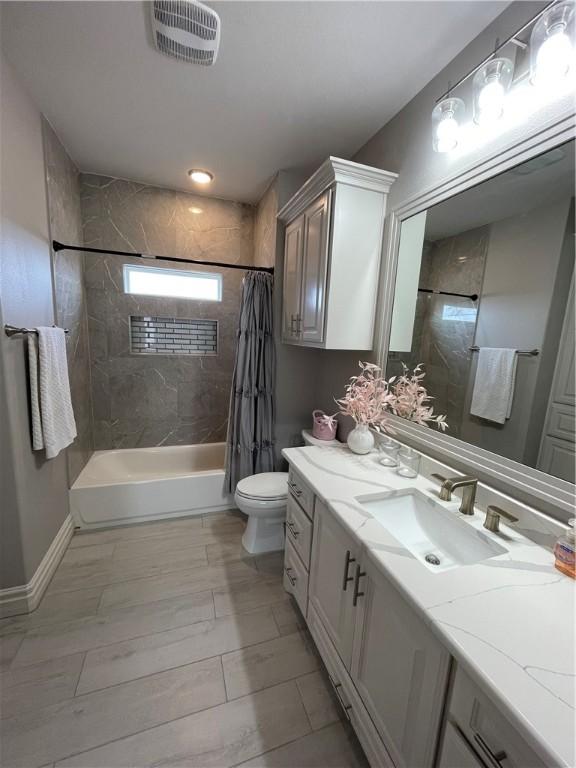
{"points": [[492, 269]]}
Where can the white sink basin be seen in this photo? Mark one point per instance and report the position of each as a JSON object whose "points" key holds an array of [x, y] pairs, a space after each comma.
{"points": [[435, 535]]}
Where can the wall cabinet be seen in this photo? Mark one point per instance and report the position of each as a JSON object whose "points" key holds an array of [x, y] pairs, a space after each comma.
{"points": [[332, 247]]}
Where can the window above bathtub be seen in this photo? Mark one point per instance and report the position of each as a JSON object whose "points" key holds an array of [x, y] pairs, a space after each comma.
{"points": [[173, 283]]}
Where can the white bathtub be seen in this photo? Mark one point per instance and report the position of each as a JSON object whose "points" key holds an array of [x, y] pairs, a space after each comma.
{"points": [[137, 484]]}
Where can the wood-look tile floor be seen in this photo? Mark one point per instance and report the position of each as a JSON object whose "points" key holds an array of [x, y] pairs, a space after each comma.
{"points": [[166, 644]]}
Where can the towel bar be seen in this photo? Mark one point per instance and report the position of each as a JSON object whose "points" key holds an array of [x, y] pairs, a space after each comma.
{"points": [[531, 352], [12, 330]]}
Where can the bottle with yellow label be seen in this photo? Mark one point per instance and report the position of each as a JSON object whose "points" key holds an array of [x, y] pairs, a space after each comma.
{"points": [[565, 551]]}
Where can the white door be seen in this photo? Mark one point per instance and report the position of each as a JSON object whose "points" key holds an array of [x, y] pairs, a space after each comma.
{"points": [[400, 670], [332, 570], [557, 448], [293, 253], [316, 243]]}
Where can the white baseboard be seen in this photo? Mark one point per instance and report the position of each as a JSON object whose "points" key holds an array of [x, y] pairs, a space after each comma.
{"points": [[25, 599]]}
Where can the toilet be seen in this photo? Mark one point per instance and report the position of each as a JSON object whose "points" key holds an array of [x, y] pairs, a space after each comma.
{"points": [[263, 498]]}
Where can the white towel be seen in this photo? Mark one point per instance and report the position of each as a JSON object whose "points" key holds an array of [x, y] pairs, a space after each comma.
{"points": [[53, 425], [494, 384]]}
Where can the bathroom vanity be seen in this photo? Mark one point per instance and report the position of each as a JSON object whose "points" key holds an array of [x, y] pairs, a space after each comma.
{"points": [[463, 659]]}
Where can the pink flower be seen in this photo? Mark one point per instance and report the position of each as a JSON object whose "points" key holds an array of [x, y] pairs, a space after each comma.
{"points": [[369, 398]]}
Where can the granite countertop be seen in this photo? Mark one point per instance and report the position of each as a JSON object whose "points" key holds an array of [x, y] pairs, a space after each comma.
{"points": [[508, 620]]}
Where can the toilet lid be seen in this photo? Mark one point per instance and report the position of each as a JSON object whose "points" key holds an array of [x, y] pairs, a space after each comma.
{"points": [[266, 485]]}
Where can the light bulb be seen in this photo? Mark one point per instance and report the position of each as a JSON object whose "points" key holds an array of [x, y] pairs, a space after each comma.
{"points": [[491, 102], [554, 58], [199, 176], [447, 132]]}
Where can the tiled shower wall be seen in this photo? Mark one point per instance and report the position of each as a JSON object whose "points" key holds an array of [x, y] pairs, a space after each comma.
{"points": [[63, 188], [150, 400], [441, 341]]}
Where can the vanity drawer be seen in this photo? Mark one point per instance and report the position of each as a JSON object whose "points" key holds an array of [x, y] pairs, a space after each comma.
{"points": [[299, 530], [295, 577], [494, 739], [301, 491]]}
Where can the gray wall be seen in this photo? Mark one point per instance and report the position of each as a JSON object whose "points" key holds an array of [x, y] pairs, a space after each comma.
{"points": [[63, 186], [519, 301], [141, 401], [404, 145], [34, 498]]}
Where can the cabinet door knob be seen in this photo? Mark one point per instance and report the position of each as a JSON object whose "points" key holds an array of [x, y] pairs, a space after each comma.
{"points": [[357, 576], [347, 562]]}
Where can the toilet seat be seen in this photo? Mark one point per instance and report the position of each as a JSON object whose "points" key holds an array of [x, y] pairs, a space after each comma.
{"points": [[267, 486]]}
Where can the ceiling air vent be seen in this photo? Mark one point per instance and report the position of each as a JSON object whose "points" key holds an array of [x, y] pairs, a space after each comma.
{"points": [[186, 30]]}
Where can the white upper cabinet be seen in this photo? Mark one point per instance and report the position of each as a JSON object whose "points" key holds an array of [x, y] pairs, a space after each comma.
{"points": [[333, 244]]}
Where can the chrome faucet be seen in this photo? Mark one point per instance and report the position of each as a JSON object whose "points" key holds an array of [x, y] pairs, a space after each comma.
{"points": [[468, 484]]}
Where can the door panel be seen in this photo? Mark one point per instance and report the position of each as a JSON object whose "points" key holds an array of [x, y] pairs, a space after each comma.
{"points": [[313, 300], [400, 670], [333, 552], [293, 253]]}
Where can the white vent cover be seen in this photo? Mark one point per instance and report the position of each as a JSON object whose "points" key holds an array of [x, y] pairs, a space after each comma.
{"points": [[186, 30]]}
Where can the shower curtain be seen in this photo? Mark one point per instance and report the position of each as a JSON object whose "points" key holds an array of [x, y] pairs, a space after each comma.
{"points": [[251, 416]]}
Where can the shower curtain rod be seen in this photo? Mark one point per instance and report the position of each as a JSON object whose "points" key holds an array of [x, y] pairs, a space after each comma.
{"points": [[57, 246], [471, 296]]}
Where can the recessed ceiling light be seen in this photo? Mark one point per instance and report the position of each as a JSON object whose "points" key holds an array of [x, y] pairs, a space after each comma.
{"points": [[199, 176], [194, 209]]}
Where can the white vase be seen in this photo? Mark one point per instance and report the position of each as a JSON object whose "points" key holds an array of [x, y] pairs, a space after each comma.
{"points": [[361, 440]]}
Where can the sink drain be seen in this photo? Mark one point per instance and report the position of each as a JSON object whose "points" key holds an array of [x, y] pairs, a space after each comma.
{"points": [[432, 559]]}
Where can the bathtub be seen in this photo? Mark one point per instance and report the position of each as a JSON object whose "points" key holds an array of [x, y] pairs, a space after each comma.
{"points": [[137, 484]]}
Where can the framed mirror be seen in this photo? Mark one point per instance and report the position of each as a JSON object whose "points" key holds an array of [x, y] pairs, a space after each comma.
{"points": [[484, 300]]}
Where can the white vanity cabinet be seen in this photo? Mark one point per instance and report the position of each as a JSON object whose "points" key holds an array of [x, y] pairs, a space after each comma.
{"points": [[400, 670], [332, 248]]}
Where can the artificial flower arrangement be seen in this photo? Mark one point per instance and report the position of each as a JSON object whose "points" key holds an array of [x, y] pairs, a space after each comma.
{"points": [[370, 398]]}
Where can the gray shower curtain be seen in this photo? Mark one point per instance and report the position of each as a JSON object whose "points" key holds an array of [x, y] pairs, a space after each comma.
{"points": [[250, 439]]}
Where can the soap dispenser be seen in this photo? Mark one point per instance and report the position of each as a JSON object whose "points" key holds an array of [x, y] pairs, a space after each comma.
{"points": [[564, 551]]}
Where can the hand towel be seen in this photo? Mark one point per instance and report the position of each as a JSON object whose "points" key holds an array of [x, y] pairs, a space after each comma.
{"points": [[494, 384], [37, 439], [56, 414]]}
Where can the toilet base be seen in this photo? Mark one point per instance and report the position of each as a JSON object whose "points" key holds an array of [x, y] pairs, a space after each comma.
{"points": [[263, 535]]}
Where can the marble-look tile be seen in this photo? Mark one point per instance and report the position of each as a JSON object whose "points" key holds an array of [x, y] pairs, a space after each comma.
{"points": [[182, 527], [60, 730], [271, 564], [266, 664], [60, 607], [94, 553], [181, 582], [333, 747], [55, 640], [83, 575], [173, 542], [217, 738], [153, 653], [9, 645], [226, 553], [219, 520], [246, 597], [318, 699], [143, 401], [288, 616], [38, 685]]}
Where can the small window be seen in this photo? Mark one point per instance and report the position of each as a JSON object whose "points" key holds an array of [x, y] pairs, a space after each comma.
{"points": [[459, 314], [176, 283]]}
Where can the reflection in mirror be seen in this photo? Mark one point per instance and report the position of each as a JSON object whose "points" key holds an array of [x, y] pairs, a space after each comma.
{"points": [[484, 298]]}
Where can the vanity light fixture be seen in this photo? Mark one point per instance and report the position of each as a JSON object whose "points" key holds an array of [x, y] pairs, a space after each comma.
{"points": [[446, 119], [200, 176], [551, 50], [491, 84]]}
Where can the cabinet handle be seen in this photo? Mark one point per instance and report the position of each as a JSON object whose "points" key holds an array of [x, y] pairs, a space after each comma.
{"points": [[292, 321], [357, 576], [298, 324], [495, 757], [295, 490], [291, 579], [292, 531], [337, 686], [347, 562]]}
